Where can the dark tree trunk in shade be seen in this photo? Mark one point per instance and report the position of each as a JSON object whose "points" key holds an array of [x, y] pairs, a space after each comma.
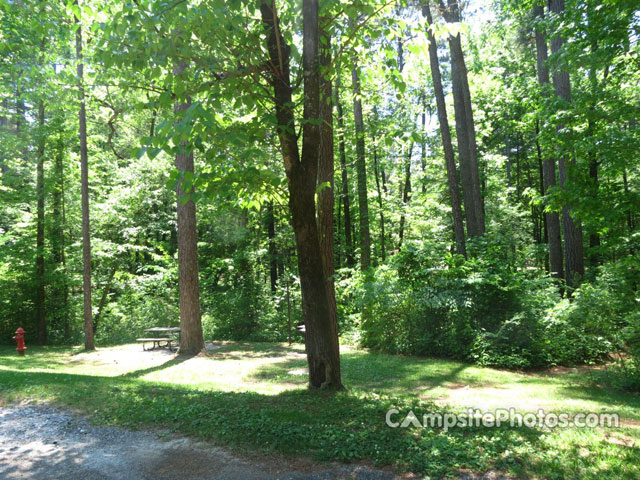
{"points": [[573, 241], [152, 125], [406, 194], [545, 231], [361, 171], [549, 164], [84, 180], [326, 176], [4, 123], [271, 235], [383, 252], [465, 129], [41, 314], [594, 237], [518, 168], [61, 317], [423, 143], [348, 248], [507, 144], [627, 193], [321, 342], [337, 245], [452, 176], [191, 340]]}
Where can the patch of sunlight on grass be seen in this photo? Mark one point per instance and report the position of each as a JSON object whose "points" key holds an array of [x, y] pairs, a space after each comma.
{"points": [[255, 394], [272, 368]]}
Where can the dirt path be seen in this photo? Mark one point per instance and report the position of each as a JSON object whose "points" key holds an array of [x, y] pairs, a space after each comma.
{"points": [[40, 442]]}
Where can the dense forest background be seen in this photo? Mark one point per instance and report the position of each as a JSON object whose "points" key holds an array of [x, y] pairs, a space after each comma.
{"points": [[507, 238]]}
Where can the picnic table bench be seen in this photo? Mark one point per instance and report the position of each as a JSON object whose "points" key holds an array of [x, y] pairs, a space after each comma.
{"points": [[168, 341]]}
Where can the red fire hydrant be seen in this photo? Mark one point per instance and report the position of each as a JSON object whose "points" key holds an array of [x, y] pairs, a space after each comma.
{"points": [[20, 339]]}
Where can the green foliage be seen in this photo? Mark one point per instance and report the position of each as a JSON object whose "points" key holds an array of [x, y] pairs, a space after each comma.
{"points": [[497, 308], [240, 306], [495, 313]]}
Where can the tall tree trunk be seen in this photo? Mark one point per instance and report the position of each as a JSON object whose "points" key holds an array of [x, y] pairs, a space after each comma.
{"points": [[326, 176], [84, 180], [445, 133], [41, 313], [465, 129], [627, 193], [507, 143], [594, 237], [338, 236], [406, 194], [345, 179], [545, 232], [549, 164], [380, 204], [4, 123], [271, 235], [321, 343], [58, 240], [361, 171], [191, 339], [573, 242], [423, 143], [518, 169], [152, 124]]}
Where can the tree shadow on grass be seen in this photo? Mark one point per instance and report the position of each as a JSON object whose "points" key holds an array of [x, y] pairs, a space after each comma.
{"points": [[177, 360], [345, 426], [371, 373], [625, 403], [244, 351]]}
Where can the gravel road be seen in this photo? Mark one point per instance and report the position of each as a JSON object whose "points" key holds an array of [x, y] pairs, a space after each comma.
{"points": [[40, 442]]}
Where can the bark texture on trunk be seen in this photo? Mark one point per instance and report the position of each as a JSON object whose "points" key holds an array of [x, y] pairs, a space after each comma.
{"points": [[321, 343], [326, 176], [361, 171], [445, 133], [549, 164], [573, 238], [89, 343], [191, 339], [41, 314], [465, 129]]}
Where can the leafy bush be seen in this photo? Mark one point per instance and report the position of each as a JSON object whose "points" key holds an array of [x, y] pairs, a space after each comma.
{"points": [[496, 312], [484, 309]]}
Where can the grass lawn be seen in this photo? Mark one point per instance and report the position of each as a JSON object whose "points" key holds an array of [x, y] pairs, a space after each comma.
{"points": [[253, 397]]}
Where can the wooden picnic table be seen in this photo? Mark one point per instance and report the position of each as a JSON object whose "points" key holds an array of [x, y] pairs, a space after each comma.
{"points": [[157, 342]]}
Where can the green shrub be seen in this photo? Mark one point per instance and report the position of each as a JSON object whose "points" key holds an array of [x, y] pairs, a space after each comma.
{"points": [[496, 312]]}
